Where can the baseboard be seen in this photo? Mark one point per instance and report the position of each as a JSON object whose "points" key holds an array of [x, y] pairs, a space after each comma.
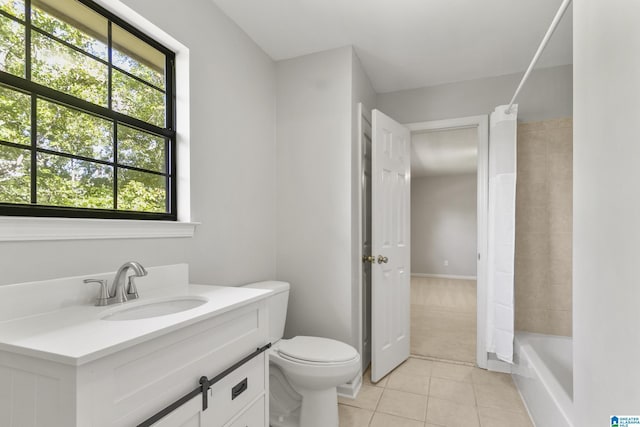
{"points": [[445, 276], [496, 365], [351, 389]]}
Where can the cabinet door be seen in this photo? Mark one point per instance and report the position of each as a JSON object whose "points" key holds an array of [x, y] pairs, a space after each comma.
{"points": [[254, 416], [188, 415]]}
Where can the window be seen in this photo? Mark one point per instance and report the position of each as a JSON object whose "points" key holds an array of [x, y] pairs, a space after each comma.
{"points": [[87, 116]]}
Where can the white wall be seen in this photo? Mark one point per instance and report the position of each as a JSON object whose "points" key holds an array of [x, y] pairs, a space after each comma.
{"points": [[444, 225], [232, 165], [606, 292], [546, 95], [314, 113], [319, 191]]}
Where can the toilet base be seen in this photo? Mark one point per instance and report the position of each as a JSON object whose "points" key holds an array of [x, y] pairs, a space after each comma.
{"points": [[292, 420], [319, 408]]}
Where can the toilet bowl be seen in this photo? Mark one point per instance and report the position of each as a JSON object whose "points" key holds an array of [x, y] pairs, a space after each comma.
{"points": [[304, 371]]}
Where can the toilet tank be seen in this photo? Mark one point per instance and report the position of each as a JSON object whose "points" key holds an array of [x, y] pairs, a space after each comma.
{"points": [[277, 303]]}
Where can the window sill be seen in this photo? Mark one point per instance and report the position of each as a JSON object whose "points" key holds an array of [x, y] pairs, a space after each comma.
{"points": [[14, 229]]}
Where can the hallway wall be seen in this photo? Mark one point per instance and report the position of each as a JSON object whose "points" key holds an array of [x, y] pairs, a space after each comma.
{"points": [[444, 225]]}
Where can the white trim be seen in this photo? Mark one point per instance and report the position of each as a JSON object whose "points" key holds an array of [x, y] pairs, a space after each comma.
{"points": [[351, 389], [364, 113], [14, 229], [182, 102], [444, 276], [496, 365], [482, 124], [30, 229]]}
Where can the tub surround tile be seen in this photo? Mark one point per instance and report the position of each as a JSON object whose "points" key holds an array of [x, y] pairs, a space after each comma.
{"points": [[532, 246], [529, 296], [532, 143], [546, 124], [561, 141], [528, 292], [561, 203], [544, 225], [561, 219], [560, 272], [532, 168], [560, 322], [533, 219], [560, 167], [532, 320], [559, 296], [534, 194], [561, 246]]}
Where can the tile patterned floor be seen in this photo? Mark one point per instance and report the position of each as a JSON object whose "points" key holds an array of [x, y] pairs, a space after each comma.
{"points": [[425, 393], [443, 318]]}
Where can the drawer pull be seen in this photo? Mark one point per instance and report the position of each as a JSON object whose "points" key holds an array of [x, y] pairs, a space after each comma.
{"points": [[239, 388]]}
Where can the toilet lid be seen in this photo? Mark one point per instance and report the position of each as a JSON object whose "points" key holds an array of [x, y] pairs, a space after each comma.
{"points": [[316, 349]]}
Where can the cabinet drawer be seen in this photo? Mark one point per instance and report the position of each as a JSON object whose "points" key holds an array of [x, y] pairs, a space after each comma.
{"points": [[252, 417], [233, 393]]}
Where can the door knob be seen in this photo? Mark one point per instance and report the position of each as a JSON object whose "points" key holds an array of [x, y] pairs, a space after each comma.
{"points": [[382, 259], [369, 258]]}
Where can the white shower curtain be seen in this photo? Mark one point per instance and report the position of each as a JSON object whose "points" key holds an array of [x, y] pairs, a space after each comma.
{"points": [[501, 236]]}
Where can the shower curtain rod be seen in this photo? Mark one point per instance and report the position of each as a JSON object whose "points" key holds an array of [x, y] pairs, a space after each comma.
{"points": [[554, 24]]}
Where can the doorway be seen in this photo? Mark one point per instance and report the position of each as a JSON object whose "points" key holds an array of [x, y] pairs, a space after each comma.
{"points": [[444, 166], [449, 239], [474, 124]]}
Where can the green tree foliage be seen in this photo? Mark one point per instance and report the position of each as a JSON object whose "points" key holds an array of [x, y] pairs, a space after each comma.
{"points": [[64, 181]]}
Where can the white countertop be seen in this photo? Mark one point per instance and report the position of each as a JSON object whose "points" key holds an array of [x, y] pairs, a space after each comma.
{"points": [[77, 334]]}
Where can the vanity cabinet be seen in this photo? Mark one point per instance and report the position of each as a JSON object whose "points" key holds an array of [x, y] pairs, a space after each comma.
{"points": [[191, 415], [248, 409], [132, 384]]}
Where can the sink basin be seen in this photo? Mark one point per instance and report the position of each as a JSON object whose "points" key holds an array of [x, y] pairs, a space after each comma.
{"points": [[156, 308]]}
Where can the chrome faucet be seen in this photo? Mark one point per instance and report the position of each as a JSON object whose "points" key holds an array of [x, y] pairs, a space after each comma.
{"points": [[118, 294]]}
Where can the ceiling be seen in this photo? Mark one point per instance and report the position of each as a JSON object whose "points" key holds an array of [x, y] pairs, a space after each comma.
{"points": [[445, 152], [405, 44]]}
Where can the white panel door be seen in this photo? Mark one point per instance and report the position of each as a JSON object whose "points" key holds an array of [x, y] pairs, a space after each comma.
{"points": [[390, 217]]}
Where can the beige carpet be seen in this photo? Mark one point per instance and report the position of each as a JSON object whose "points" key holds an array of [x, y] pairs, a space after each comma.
{"points": [[443, 318]]}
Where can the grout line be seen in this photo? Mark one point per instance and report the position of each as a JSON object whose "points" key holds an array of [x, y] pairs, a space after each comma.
{"points": [[426, 411], [437, 359], [475, 393], [373, 414]]}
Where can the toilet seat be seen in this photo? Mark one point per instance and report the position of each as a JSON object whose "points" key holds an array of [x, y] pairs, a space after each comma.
{"points": [[316, 351]]}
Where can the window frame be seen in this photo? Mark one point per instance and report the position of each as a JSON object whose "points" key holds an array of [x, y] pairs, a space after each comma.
{"points": [[38, 91]]}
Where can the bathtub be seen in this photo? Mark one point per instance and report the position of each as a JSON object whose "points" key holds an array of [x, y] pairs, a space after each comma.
{"points": [[543, 372]]}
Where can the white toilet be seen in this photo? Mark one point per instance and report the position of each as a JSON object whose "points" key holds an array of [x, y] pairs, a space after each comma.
{"points": [[303, 371]]}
